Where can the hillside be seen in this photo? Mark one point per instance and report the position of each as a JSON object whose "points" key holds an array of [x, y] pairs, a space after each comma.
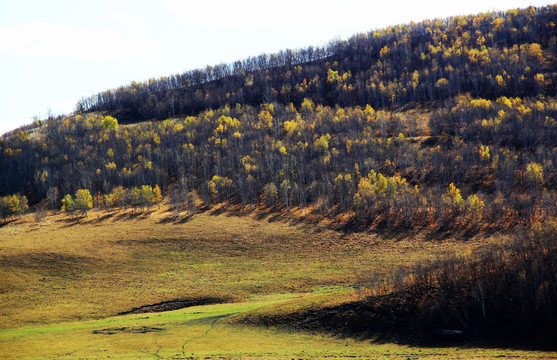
{"points": [[488, 55], [404, 181], [467, 101], [64, 282]]}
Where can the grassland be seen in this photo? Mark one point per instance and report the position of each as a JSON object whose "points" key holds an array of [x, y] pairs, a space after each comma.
{"points": [[65, 278], [204, 333]]}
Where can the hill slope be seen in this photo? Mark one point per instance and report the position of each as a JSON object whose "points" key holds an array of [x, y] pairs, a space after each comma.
{"points": [[487, 55], [375, 149], [373, 131]]}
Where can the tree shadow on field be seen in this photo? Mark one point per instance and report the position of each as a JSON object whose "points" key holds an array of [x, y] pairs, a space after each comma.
{"points": [[104, 217], [91, 219], [168, 219], [236, 210], [276, 217], [404, 318], [185, 219], [173, 219], [263, 215], [71, 221], [442, 234], [2, 224], [126, 216], [218, 211]]}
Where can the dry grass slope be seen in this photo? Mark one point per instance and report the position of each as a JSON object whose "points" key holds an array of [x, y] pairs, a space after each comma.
{"points": [[67, 269], [65, 278]]}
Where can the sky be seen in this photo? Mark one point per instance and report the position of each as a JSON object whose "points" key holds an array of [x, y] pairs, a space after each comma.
{"points": [[52, 53]]}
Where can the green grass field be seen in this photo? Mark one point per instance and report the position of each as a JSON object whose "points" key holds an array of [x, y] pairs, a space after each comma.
{"points": [[65, 278], [204, 333]]}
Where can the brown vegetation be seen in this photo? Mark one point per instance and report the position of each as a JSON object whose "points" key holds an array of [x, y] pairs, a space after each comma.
{"points": [[505, 294]]}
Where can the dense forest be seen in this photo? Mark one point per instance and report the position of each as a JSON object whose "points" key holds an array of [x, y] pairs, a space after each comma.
{"points": [[448, 123]]}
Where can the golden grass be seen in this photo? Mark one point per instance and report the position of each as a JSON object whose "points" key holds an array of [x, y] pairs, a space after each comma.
{"points": [[66, 269], [64, 278]]}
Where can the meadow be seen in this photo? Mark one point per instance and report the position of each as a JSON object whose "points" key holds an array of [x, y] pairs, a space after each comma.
{"points": [[66, 279]]}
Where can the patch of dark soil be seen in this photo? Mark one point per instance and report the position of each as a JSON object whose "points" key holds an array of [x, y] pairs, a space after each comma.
{"points": [[128, 330], [174, 305]]}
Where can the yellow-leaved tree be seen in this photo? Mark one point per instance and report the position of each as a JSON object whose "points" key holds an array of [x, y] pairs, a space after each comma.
{"points": [[68, 205], [83, 200], [108, 122], [453, 200]]}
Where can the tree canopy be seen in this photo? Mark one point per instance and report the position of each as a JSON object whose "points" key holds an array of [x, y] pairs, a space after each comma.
{"points": [[449, 122]]}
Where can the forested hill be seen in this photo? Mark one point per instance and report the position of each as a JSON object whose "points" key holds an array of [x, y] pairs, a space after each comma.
{"points": [[448, 123], [488, 55]]}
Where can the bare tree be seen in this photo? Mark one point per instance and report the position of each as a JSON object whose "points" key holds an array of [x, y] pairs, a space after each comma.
{"points": [[52, 196]]}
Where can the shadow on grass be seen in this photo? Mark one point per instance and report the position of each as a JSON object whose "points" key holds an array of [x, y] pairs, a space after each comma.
{"points": [[133, 215], [4, 223], [175, 305], [176, 219], [185, 219], [71, 221], [391, 320], [104, 217], [235, 210], [90, 219]]}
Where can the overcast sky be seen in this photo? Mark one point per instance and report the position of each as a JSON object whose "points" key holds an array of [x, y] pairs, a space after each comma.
{"points": [[52, 53]]}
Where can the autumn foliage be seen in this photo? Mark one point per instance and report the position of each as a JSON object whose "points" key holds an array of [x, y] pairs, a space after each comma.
{"points": [[446, 124]]}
